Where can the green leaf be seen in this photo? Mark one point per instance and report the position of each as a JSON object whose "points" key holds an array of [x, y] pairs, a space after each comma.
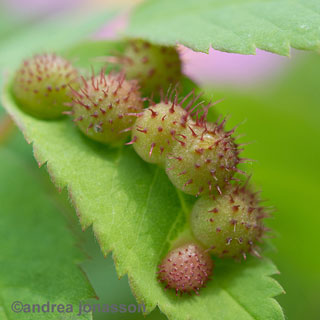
{"points": [[238, 26], [136, 212], [39, 257]]}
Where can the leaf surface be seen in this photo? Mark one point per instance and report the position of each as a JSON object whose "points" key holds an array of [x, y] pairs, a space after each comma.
{"points": [[238, 26]]}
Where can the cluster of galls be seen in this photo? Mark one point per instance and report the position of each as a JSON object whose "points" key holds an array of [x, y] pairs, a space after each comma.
{"points": [[200, 157], [227, 226]]}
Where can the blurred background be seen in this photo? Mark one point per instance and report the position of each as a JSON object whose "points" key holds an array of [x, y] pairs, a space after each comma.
{"points": [[277, 98]]}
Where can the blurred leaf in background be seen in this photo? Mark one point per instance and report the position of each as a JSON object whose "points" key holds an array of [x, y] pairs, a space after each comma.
{"points": [[39, 259]]}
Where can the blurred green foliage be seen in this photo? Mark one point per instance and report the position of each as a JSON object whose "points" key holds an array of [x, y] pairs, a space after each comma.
{"points": [[38, 261]]}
